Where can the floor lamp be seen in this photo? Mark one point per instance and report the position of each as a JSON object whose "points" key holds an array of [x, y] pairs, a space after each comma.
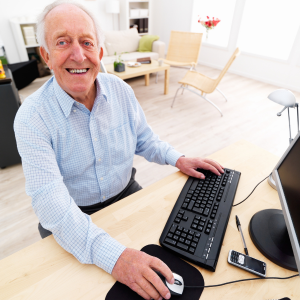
{"points": [[113, 7], [288, 100]]}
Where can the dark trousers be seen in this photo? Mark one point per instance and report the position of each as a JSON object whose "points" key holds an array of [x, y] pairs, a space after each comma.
{"points": [[131, 188]]}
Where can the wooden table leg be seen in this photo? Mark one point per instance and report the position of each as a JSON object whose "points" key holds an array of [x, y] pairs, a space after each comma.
{"points": [[147, 79], [167, 81]]}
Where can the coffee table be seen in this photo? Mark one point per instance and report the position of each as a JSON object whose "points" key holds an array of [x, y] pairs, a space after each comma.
{"points": [[144, 69]]}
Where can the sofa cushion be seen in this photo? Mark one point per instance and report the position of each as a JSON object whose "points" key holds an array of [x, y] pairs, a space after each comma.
{"points": [[130, 57], [105, 53], [121, 41]]}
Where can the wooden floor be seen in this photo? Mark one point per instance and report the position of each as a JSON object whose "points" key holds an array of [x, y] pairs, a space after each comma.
{"points": [[192, 126]]}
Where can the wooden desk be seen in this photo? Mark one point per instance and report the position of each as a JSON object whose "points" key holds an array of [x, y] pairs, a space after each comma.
{"points": [[46, 271], [144, 69]]}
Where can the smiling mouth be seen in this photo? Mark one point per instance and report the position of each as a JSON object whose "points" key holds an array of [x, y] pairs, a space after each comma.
{"points": [[77, 71]]}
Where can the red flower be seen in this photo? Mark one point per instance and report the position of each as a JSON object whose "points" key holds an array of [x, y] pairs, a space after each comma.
{"points": [[207, 17]]}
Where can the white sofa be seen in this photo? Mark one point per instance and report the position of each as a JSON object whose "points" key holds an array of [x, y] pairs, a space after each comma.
{"points": [[128, 41]]}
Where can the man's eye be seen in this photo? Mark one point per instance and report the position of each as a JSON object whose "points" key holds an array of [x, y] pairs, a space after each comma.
{"points": [[87, 44], [61, 43]]}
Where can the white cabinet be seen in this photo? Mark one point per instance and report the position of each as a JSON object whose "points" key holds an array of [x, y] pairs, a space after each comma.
{"points": [[134, 12], [23, 31]]}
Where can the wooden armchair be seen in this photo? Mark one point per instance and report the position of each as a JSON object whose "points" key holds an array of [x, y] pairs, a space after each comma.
{"points": [[205, 84], [184, 48]]}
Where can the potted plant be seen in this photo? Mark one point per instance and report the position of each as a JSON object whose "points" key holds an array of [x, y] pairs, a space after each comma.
{"points": [[119, 66]]}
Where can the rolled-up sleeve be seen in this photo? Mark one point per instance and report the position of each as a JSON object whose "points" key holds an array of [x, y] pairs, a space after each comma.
{"points": [[52, 203]]}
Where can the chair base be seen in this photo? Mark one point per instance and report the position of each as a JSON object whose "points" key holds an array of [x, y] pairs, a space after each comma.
{"points": [[202, 96]]}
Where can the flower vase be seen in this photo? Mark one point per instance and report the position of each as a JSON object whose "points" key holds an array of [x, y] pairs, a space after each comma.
{"points": [[207, 34]]}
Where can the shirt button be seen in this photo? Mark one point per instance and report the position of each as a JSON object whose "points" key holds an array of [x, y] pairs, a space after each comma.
{"points": [[74, 110], [96, 140], [101, 178], [103, 197], [99, 159]]}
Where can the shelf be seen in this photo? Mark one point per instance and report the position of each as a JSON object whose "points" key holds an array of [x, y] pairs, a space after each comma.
{"points": [[136, 18], [143, 33], [32, 46], [138, 1]]}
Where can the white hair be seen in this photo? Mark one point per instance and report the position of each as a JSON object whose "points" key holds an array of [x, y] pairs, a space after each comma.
{"points": [[40, 26]]}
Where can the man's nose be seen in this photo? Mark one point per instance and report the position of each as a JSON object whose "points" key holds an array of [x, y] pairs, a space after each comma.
{"points": [[77, 53]]}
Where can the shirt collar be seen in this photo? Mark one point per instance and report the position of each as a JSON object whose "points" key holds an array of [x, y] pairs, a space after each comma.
{"points": [[66, 102]]}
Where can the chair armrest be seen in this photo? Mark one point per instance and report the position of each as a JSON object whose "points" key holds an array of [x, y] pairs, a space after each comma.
{"points": [[159, 47]]}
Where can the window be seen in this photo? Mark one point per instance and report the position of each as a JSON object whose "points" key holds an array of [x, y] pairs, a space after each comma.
{"points": [[269, 27], [221, 9]]}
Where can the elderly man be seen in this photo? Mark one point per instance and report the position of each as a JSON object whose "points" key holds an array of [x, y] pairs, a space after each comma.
{"points": [[77, 136]]}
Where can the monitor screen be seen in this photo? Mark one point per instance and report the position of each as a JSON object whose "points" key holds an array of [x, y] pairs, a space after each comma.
{"points": [[289, 174]]}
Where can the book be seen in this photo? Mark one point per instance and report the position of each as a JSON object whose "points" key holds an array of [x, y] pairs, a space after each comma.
{"points": [[141, 25], [144, 60], [145, 25]]}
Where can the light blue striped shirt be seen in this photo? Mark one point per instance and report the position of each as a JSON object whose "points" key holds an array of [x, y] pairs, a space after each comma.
{"points": [[75, 157]]}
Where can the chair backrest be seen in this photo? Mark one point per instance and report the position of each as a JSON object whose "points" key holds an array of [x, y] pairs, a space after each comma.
{"points": [[230, 61], [184, 46]]}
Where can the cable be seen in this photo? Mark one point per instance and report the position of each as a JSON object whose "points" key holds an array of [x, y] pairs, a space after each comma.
{"points": [[251, 192], [248, 279]]}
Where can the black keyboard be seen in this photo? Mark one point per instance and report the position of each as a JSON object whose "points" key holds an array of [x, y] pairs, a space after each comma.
{"points": [[196, 227]]}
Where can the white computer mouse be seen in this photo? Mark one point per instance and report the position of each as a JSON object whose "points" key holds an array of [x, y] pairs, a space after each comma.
{"points": [[175, 289]]}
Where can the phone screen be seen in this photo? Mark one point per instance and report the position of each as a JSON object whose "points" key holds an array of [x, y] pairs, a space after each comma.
{"points": [[254, 265]]}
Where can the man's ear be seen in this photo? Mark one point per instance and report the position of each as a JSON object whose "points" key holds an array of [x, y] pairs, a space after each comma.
{"points": [[101, 53], [46, 57]]}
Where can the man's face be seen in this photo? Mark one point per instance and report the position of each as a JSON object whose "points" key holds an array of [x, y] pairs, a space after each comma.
{"points": [[73, 53]]}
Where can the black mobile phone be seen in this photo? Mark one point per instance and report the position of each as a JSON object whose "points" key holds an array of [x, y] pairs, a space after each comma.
{"points": [[247, 263]]}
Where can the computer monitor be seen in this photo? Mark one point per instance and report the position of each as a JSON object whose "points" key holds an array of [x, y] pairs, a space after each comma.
{"points": [[276, 233]]}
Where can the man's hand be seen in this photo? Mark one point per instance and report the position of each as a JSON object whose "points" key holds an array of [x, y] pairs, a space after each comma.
{"points": [[190, 165], [134, 269]]}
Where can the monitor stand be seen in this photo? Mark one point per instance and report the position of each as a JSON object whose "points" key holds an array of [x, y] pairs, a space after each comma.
{"points": [[269, 234]]}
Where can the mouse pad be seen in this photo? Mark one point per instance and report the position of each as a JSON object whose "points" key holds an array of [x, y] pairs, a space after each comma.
{"points": [[191, 276]]}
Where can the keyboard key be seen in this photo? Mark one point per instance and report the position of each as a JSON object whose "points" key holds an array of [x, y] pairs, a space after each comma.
{"points": [[184, 205], [194, 198], [194, 226], [190, 191], [194, 245], [195, 221], [175, 237], [189, 237], [203, 219], [200, 228], [197, 235], [177, 232], [192, 250], [179, 228], [170, 235], [187, 242], [181, 211], [185, 218], [197, 205], [179, 216], [197, 217], [177, 220], [191, 232], [207, 230], [212, 216], [173, 228], [194, 185], [191, 204], [206, 212], [210, 221], [198, 210], [209, 226], [182, 246], [183, 235], [196, 240], [171, 242], [181, 240]]}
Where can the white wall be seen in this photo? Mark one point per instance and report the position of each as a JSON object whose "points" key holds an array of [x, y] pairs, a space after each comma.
{"points": [[177, 14], [16, 8]]}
